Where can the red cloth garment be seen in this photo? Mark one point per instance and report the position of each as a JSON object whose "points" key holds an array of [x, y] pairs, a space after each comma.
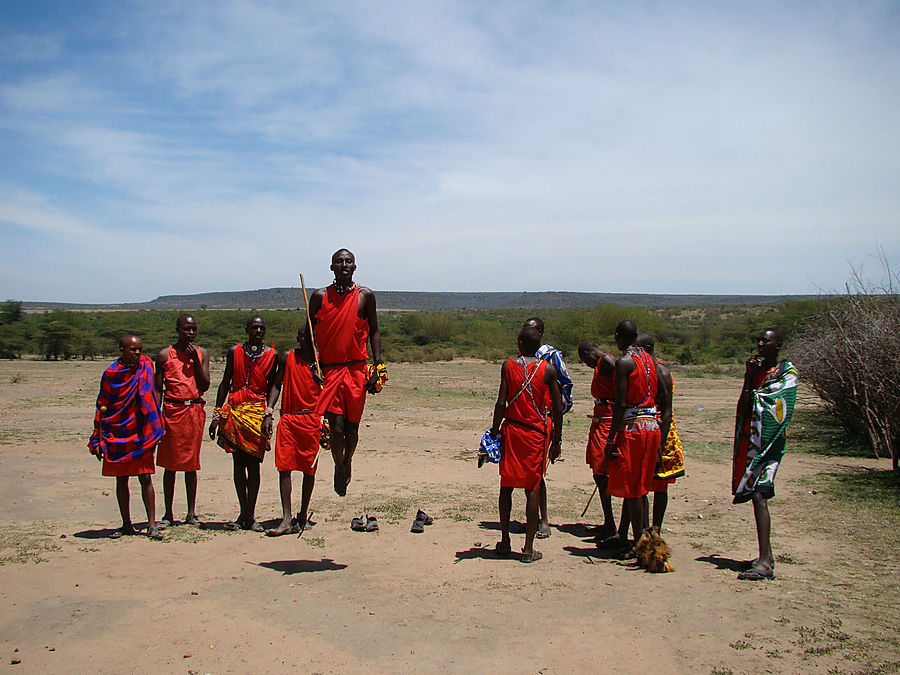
{"points": [[299, 427], [241, 417], [179, 449], [526, 427], [631, 475], [128, 431], [603, 391], [341, 336]]}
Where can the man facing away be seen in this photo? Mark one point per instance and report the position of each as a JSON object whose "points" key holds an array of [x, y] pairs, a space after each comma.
{"points": [[127, 427], [764, 411], [528, 389], [182, 376], [345, 319], [299, 431], [247, 381], [633, 445], [553, 356]]}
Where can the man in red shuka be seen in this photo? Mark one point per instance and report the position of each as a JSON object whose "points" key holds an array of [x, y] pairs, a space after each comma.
{"points": [[528, 387], [344, 319]]}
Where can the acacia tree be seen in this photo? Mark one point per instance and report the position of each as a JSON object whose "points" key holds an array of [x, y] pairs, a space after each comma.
{"points": [[850, 354]]}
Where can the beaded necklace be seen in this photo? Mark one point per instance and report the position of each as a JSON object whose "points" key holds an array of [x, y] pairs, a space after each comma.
{"points": [[341, 290]]}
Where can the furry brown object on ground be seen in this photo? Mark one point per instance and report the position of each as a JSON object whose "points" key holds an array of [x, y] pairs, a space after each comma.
{"points": [[653, 552]]}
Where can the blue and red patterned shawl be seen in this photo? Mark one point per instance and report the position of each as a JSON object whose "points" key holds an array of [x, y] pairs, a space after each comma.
{"points": [[131, 425]]}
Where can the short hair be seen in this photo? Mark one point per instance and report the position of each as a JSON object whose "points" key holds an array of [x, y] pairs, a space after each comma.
{"points": [[537, 321], [627, 330], [182, 317], [586, 346], [342, 250], [779, 338], [646, 342], [253, 318], [530, 338]]}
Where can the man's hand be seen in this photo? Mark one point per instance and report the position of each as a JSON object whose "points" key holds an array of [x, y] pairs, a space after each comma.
{"points": [[611, 451], [192, 351], [555, 451], [212, 429], [267, 425]]}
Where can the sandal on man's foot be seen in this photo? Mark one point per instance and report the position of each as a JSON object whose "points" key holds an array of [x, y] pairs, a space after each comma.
{"points": [[122, 532], [502, 548], [424, 517], [543, 532], [534, 556], [756, 574], [255, 526], [155, 534], [358, 524], [192, 520], [371, 524], [163, 523]]}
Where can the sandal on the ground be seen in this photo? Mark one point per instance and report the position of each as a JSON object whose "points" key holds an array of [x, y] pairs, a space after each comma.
{"points": [[371, 524], [418, 526], [502, 548], [756, 574], [358, 524], [534, 556], [542, 532], [424, 517]]}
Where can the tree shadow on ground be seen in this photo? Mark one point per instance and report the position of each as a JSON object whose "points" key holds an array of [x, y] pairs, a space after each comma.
{"points": [[287, 567]]}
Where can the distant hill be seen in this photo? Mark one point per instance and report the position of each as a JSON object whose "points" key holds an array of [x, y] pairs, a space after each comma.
{"points": [[291, 298]]}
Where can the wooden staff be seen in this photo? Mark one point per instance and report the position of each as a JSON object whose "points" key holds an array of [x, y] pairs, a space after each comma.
{"points": [[312, 334], [102, 410], [589, 501]]}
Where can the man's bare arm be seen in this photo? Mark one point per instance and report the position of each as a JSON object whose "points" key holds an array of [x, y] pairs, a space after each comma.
{"points": [[500, 405], [161, 359], [274, 392], [372, 316]]}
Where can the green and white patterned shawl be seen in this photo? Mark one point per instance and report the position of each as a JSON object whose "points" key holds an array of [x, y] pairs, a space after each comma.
{"points": [[771, 410]]}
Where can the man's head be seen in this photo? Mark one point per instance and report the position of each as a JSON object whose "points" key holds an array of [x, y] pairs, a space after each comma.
{"points": [[186, 326], [130, 349], [256, 328], [626, 333], [528, 341], [343, 264], [589, 353], [768, 342], [645, 342], [535, 322]]}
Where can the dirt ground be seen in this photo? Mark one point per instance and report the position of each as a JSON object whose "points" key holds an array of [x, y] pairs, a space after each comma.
{"points": [[211, 601]]}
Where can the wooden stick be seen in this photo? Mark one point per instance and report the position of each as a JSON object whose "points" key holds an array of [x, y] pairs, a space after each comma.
{"points": [[99, 454], [589, 501], [312, 334]]}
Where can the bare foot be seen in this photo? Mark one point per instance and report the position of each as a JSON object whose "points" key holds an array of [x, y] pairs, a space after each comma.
{"points": [[284, 527], [340, 481]]}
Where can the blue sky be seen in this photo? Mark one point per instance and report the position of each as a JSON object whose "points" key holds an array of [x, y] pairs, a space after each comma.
{"points": [[708, 147]]}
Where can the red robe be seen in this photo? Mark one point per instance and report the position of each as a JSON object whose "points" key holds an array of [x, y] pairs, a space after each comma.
{"points": [[526, 427], [631, 475], [341, 336], [299, 427], [179, 449], [603, 390]]}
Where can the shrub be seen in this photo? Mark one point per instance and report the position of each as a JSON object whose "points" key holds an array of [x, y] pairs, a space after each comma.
{"points": [[850, 354]]}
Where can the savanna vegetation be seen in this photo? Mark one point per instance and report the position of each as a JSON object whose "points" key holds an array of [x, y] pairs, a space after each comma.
{"points": [[685, 335]]}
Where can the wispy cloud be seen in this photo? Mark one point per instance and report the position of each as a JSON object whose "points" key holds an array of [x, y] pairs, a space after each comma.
{"points": [[459, 145]]}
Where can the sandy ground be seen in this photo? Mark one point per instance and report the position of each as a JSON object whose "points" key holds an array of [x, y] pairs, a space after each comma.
{"points": [[209, 601]]}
